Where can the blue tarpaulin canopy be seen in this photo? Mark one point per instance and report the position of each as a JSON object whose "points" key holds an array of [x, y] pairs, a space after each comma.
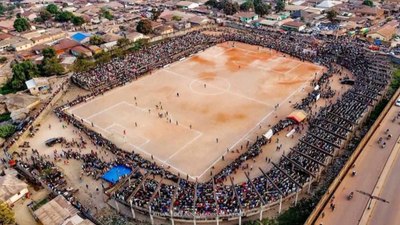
{"points": [[116, 173]]}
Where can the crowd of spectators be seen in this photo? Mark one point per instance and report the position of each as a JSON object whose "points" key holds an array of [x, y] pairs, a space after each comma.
{"points": [[327, 132]]}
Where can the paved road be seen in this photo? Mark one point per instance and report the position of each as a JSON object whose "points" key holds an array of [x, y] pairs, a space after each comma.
{"points": [[369, 167], [388, 213]]}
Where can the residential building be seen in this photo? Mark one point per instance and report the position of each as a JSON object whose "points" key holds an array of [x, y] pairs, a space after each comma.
{"points": [[94, 49], [7, 26], [81, 51], [370, 11], [38, 85], [199, 20], [164, 30], [384, 33], [64, 45], [15, 43], [294, 26], [186, 5], [12, 189], [81, 37], [246, 17], [49, 36], [135, 36], [59, 212], [328, 4]]}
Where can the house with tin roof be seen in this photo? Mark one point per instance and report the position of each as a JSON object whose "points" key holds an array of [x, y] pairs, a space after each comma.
{"points": [[81, 37]]}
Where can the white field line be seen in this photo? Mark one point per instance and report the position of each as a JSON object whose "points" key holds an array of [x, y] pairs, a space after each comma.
{"points": [[226, 90], [184, 146], [257, 125]]}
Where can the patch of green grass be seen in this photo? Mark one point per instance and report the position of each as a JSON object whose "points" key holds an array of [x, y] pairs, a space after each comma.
{"points": [[8, 89], [39, 204], [5, 117]]}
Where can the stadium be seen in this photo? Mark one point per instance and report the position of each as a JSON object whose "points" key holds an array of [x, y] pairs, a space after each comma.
{"points": [[225, 123]]}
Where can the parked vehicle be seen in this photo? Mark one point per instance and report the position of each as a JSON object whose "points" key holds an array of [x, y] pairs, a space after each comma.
{"points": [[53, 141]]}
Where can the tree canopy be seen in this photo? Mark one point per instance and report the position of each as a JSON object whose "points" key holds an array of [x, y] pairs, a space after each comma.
{"points": [[50, 63], [227, 6], [5, 132], [247, 6], [155, 13], [45, 15], [6, 214], [78, 20], [22, 72], [123, 42], [96, 40], [48, 52], [144, 26], [280, 5], [261, 8], [230, 8], [82, 64], [64, 16], [21, 24], [369, 3], [104, 12], [2, 8], [52, 66], [331, 15], [3, 59], [52, 8]]}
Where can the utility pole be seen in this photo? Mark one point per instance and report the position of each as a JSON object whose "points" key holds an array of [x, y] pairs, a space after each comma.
{"points": [[371, 197]]}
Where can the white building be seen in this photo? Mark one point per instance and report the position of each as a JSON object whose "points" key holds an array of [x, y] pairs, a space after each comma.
{"points": [[187, 5], [12, 189]]}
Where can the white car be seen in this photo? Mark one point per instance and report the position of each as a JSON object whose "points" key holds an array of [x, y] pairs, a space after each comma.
{"points": [[397, 102]]}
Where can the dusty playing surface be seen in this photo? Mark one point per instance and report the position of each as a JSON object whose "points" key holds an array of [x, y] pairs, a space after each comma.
{"points": [[225, 93]]}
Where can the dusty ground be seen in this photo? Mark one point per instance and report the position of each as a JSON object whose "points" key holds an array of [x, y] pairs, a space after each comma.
{"points": [[225, 94], [231, 105]]}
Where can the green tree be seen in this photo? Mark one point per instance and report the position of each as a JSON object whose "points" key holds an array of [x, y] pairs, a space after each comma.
{"points": [[123, 42], [52, 8], [155, 13], [261, 8], [331, 15], [137, 45], [247, 5], [96, 40], [2, 8], [64, 16], [48, 52], [104, 12], [45, 15], [5, 132], [369, 3], [52, 66], [102, 57], [144, 26], [50, 63], [78, 20], [22, 72], [3, 60], [82, 65], [21, 24], [297, 215], [176, 18], [212, 3], [280, 5], [6, 214], [230, 8]]}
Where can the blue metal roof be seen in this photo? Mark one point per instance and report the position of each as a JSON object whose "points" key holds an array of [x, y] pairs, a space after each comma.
{"points": [[79, 36]]}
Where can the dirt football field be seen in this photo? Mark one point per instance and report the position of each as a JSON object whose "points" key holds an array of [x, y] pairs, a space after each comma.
{"points": [[188, 114]]}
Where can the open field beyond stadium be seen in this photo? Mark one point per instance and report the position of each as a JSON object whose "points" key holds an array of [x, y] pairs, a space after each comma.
{"points": [[225, 94]]}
